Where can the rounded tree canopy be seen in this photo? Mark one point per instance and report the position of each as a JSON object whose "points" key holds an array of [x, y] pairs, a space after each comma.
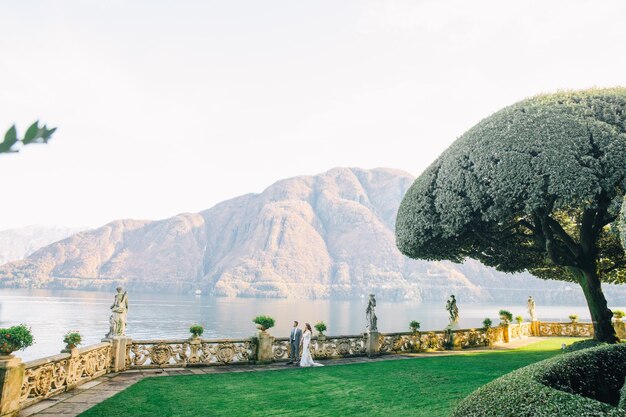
{"points": [[535, 167]]}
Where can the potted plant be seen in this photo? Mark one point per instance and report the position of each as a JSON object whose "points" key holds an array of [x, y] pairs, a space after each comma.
{"points": [[72, 339], [321, 328], [573, 317], [487, 323], [414, 326], [15, 338], [519, 319], [506, 317], [618, 314], [196, 331], [263, 322]]}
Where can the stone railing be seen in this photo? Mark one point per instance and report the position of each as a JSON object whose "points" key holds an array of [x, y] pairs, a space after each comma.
{"points": [[520, 331], [326, 347], [24, 384], [49, 376], [439, 340], [189, 352], [323, 347], [565, 329]]}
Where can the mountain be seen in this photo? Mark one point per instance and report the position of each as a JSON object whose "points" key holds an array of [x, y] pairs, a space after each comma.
{"points": [[329, 235], [20, 242]]}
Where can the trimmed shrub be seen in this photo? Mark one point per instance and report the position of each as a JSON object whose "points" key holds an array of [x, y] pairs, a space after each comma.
{"points": [[618, 314], [596, 373], [320, 327], [622, 397], [573, 317], [196, 330], [506, 316], [583, 383], [519, 319], [487, 323], [583, 344], [264, 322]]}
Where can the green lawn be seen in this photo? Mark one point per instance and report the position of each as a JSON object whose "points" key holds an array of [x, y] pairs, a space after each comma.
{"points": [[416, 387]]}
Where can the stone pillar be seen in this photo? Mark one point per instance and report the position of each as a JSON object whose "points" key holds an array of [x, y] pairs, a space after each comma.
{"points": [[11, 378], [73, 368], [454, 342], [506, 332], [534, 328], [372, 344], [194, 347], [620, 328], [264, 350], [118, 352]]}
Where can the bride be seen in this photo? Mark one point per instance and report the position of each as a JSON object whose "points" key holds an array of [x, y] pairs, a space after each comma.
{"points": [[306, 359]]}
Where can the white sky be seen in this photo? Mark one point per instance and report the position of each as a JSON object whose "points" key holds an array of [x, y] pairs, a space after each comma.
{"points": [[168, 107]]}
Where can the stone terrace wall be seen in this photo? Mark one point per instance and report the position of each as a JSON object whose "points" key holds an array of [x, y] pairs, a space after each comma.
{"points": [[46, 377]]}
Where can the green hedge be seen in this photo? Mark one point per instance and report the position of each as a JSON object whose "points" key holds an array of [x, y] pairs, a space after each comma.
{"points": [[583, 383]]}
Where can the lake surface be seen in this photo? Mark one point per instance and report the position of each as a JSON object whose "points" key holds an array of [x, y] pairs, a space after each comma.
{"points": [[51, 313]]}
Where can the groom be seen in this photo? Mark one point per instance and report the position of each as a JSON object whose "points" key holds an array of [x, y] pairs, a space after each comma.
{"points": [[294, 343]]}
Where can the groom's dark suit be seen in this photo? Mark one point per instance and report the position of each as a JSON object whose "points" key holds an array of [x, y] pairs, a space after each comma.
{"points": [[294, 344]]}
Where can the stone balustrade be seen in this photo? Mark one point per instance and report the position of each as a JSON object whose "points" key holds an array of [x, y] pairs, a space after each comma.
{"points": [[573, 329], [324, 347], [49, 376], [408, 342], [46, 377], [520, 331], [189, 352]]}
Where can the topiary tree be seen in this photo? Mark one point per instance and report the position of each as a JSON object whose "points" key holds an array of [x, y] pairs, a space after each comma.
{"points": [[505, 316], [537, 186], [34, 134]]}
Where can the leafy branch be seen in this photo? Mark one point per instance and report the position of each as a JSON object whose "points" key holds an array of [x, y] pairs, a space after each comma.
{"points": [[34, 134]]}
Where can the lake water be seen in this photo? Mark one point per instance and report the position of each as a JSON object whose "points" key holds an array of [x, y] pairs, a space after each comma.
{"points": [[51, 313]]}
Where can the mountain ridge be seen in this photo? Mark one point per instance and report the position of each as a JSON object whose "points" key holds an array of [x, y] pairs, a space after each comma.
{"points": [[329, 235]]}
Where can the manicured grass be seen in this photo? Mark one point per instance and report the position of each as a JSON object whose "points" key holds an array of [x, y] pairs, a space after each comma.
{"points": [[416, 387]]}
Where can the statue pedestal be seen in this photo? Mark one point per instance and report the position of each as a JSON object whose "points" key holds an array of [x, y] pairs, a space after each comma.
{"points": [[453, 342], [620, 328], [118, 351], [264, 351], [372, 343], [534, 328], [11, 378]]}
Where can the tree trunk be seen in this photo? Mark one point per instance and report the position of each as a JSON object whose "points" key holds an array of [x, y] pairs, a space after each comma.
{"points": [[600, 314]]}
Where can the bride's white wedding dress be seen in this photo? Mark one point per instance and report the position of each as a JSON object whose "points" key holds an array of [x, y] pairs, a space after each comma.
{"points": [[306, 359]]}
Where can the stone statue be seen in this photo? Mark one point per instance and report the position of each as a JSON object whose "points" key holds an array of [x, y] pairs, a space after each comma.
{"points": [[119, 310], [531, 308], [370, 314], [453, 311]]}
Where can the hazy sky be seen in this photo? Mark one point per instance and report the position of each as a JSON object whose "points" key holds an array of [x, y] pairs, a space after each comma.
{"points": [[168, 107]]}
